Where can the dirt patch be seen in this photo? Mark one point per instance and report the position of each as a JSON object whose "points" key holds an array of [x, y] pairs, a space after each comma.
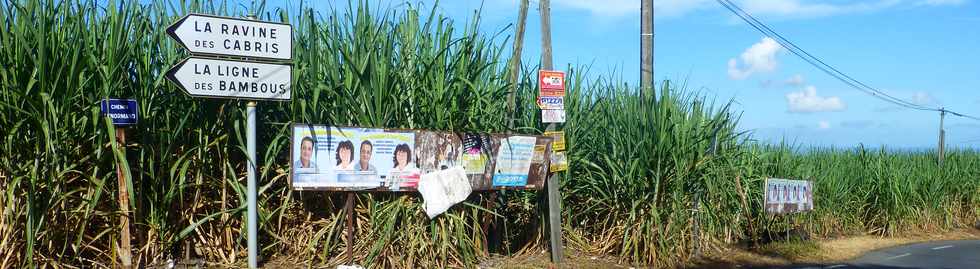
{"points": [[819, 251], [542, 259], [779, 254]]}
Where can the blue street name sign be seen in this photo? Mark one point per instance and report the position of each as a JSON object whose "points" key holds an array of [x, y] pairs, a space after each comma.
{"points": [[121, 111]]}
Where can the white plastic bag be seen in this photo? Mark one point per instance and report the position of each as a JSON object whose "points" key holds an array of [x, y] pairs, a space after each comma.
{"points": [[442, 189]]}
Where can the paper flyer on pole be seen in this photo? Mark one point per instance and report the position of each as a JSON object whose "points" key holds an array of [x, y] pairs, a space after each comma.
{"points": [[553, 115], [559, 140], [514, 161], [559, 161]]}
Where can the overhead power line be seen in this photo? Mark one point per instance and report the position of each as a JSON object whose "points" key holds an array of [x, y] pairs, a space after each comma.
{"points": [[826, 68]]}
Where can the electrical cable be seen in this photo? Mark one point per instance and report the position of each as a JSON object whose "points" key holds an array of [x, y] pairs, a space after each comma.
{"points": [[816, 62], [820, 64]]}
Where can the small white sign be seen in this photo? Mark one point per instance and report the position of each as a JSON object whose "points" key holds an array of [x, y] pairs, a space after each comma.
{"points": [[229, 79], [553, 115], [785, 196], [234, 37]]}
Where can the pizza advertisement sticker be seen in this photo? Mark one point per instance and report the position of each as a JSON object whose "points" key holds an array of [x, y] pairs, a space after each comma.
{"points": [[551, 102]]}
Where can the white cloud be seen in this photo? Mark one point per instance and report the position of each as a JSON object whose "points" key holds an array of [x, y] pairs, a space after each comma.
{"points": [[857, 124], [795, 81], [923, 99], [672, 8], [604, 8], [784, 9], [807, 9], [807, 101], [942, 2], [622, 8], [760, 57], [823, 125]]}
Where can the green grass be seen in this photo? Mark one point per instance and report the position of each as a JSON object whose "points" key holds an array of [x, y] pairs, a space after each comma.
{"points": [[791, 250]]}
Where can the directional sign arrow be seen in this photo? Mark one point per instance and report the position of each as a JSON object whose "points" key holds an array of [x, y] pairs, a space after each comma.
{"points": [[206, 34], [229, 79]]}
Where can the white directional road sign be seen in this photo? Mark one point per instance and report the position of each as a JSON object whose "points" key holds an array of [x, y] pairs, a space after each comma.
{"points": [[205, 34], [229, 79]]}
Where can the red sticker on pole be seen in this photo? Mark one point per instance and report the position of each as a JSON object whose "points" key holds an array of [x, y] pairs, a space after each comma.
{"points": [[551, 83]]}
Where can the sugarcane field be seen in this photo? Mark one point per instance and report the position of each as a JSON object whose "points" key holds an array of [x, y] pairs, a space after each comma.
{"points": [[355, 134]]}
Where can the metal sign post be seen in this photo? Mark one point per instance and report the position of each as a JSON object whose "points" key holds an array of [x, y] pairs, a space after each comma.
{"points": [[253, 220], [210, 76]]}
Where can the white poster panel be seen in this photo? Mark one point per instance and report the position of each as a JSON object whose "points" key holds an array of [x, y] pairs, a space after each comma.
{"points": [[332, 157], [553, 115], [785, 196], [514, 161]]}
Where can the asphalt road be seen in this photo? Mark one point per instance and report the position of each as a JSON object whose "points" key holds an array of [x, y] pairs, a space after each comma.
{"points": [[963, 254]]}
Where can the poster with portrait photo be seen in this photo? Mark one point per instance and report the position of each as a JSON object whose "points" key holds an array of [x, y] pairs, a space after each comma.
{"points": [[390, 154], [325, 157]]}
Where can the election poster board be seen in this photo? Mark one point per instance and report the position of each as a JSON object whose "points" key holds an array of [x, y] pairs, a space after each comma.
{"points": [[784, 196], [352, 157], [374, 159]]}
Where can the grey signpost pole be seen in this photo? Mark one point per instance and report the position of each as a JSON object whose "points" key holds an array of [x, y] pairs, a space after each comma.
{"points": [[253, 227], [267, 73], [253, 215]]}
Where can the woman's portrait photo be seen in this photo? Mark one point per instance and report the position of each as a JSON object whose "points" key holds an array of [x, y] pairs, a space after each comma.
{"points": [[345, 155]]}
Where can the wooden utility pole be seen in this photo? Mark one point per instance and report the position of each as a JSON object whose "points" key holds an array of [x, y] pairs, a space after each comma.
{"points": [[545, 8], [515, 74], [125, 248], [349, 207], [515, 63], [646, 48], [554, 198], [942, 136]]}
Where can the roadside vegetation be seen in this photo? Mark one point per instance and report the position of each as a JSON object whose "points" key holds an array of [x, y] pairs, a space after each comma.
{"points": [[651, 178]]}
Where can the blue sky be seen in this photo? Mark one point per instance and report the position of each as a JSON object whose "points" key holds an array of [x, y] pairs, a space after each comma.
{"points": [[924, 51]]}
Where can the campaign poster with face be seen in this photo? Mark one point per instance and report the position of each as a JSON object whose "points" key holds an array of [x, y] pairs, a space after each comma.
{"points": [[389, 154], [333, 157]]}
